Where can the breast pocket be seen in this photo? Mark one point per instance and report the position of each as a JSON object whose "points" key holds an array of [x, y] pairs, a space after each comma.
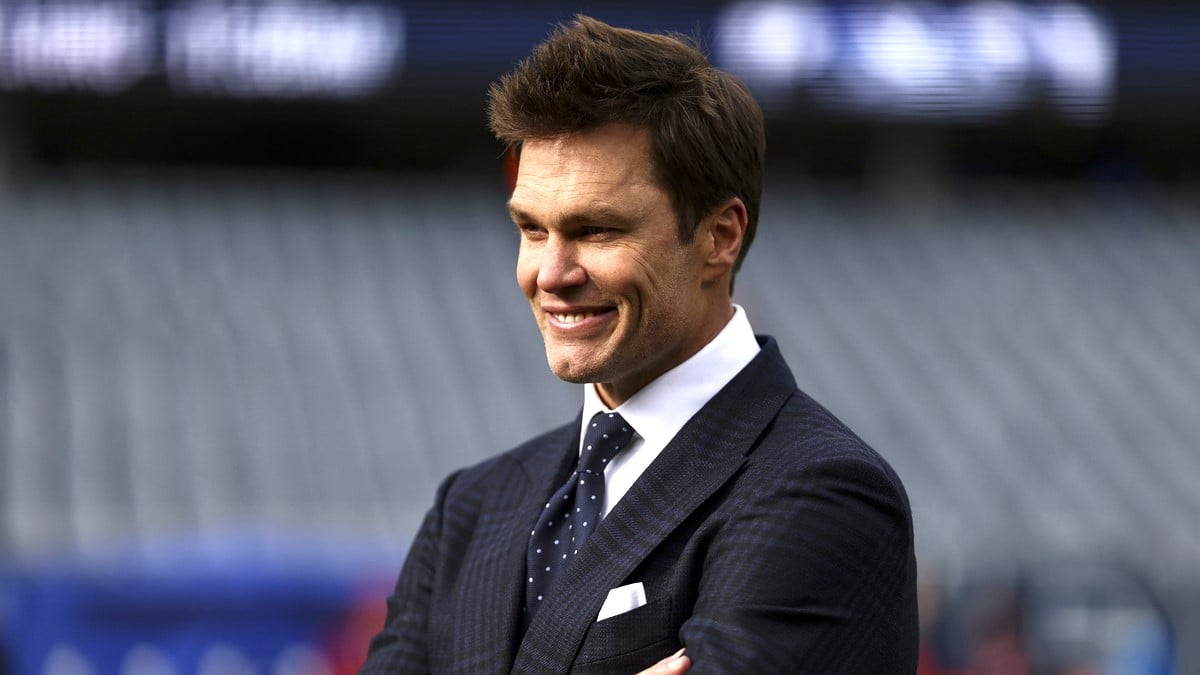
{"points": [[626, 640]]}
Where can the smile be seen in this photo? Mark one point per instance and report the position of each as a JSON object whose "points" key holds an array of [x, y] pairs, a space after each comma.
{"points": [[578, 318], [573, 318]]}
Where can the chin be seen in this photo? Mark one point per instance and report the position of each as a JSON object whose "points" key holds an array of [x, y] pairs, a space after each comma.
{"points": [[566, 374], [569, 369]]}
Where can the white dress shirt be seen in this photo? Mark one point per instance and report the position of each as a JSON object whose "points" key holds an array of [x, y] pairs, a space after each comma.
{"points": [[661, 408]]}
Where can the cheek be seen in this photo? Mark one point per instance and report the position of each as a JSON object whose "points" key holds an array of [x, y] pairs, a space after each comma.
{"points": [[669, 295], [663, 279]]}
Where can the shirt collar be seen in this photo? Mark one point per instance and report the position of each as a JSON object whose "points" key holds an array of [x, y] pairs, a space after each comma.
{"points": [[660, 409]]}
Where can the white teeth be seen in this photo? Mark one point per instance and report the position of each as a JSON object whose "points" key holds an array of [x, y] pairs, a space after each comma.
{"points": [[573, 318]]}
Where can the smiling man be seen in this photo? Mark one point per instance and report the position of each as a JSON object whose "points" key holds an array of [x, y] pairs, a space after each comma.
{"points": [[702, 513], [618, 298]]}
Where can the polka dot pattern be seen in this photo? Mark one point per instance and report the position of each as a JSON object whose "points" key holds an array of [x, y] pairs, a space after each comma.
{"points": [[555, 541]]}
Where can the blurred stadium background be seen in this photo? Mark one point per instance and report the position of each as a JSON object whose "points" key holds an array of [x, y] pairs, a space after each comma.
{"points": [[257, 299]]}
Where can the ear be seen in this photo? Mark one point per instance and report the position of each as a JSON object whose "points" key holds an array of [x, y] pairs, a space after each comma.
{"points": [[723, 230]]}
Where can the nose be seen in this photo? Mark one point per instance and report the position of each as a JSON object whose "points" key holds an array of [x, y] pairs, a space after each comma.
{"points": [[559, 267]]}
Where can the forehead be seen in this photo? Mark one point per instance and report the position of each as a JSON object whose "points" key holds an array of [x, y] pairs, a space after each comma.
{"points": [[608, 167]]}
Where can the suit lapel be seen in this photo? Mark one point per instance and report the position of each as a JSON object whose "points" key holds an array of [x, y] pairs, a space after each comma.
{"points": [[488, 607], [702, 457]]}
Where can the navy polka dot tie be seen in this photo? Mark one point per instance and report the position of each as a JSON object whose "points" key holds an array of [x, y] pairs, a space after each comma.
{"points": [[573, 513]]}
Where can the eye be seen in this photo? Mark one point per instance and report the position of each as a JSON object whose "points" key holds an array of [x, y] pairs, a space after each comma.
{"points": [[531, 230], [597, 232]]}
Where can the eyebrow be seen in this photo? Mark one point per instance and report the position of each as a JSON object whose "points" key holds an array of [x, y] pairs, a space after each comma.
{"points": [[591, 216], [516, 213]]}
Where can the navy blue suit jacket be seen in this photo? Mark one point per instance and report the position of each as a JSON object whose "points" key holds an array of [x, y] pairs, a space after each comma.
{"points": [[768, 537]]}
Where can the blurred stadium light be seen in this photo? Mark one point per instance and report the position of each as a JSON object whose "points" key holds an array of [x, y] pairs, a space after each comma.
{"points": [[241, 48], [893, 59], [104, 47], [907, 59], [283, 48], [774, 46]]}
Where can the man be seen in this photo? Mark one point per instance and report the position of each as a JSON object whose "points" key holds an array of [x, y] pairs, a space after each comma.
{"points": [[701, 501]]}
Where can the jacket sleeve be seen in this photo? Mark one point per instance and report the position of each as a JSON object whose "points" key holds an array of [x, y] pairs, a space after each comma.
{"points": [[402, 646], [813, 573]]}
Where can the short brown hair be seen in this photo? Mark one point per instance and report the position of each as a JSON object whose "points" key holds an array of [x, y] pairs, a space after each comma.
{"points": [[706, 131]]}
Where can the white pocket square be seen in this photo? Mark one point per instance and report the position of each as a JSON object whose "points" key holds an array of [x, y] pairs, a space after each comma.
{"points": [[622, 599]]}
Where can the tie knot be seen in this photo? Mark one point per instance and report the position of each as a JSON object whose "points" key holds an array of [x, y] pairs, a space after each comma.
{"points": [[607, 435]]}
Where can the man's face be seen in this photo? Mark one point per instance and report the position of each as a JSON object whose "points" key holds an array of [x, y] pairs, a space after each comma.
{"points": [[618, 299]]}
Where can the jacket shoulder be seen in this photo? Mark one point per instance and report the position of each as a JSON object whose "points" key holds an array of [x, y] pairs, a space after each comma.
{"points": [[805, 432], [523, 462]]}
